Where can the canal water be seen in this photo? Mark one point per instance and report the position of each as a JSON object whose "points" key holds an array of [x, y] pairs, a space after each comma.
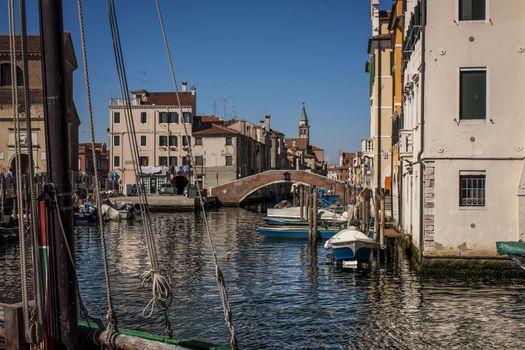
{"points": [[283, 294]]}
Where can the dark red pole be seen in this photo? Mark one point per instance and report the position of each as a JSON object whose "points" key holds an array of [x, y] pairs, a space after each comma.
{"points": [[61, 330]]}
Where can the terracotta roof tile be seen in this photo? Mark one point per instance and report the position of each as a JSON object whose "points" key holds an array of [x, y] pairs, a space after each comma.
{"points": [[298, 142], [33, 46], [210, 119], [168, 98], [215, 129], [276, 132]]}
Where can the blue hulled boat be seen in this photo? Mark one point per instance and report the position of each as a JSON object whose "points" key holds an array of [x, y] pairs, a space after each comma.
{"points": [[350, 247], [297, 232]]}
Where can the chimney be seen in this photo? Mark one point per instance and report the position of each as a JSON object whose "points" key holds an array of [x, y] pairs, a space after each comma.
{"points": [[184, 86], [374, 17], [267, 121]]}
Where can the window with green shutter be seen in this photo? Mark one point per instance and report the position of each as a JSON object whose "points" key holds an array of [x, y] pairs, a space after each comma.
{"points": [[473, 94], [472, 10]]}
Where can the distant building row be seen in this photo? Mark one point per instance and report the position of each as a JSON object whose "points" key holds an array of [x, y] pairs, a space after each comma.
{"points": [[223, 150]]}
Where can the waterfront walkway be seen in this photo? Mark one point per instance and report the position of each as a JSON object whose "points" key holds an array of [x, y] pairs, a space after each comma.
{"points": [[163, 203]]}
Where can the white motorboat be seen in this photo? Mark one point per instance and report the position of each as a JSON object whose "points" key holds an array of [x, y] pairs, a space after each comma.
{"points": [[350, 246]]}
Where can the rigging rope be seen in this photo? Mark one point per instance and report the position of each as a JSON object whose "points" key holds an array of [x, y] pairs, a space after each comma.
{"points": [[111, 317], [221, 284], [83, 310], [18, 175], [33, 208], [160, 284]]}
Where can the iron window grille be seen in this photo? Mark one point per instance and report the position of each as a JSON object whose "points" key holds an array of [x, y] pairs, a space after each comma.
{"points": [[472, 190]]}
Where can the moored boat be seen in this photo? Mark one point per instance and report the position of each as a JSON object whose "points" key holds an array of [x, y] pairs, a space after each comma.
{"points": [[350, 247], [297, 232]]}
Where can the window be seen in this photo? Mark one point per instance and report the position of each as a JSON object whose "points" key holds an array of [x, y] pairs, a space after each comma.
{"points": [[143, 117], [185, 141], [198, 141], [163, 161], [472, 190], [116, 161], [173, 161], [116, 118], [229, 160], [143, 161], [473, 94], [5, 75], [163, 140], [187, 117], [173, 117], [116, 140], [199, 161], [168, 117], [472, 10], [185, 160], [143, 140], [173, 140], [228, 140]]}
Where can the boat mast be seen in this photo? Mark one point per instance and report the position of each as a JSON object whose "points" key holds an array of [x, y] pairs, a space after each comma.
{"points": [[61, 310]]}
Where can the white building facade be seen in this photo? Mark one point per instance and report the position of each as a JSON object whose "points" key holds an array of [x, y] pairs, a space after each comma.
{"points": [[462, 143]]}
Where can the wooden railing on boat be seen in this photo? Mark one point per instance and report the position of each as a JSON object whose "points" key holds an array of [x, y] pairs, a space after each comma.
{"points": [[12, 336]]}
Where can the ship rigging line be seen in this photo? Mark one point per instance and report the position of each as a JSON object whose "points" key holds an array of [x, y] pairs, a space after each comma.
{"points": [[160, 284], [221, 284], [111, 316], [37, 316], [30, 332]]}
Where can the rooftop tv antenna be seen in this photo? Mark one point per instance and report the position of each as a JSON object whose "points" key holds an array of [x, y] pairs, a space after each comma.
{"points": [[143, 79]]}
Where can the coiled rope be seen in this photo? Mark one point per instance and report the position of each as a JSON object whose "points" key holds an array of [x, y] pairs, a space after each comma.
{"points": [[221, 284], [111, 317], [161, 295]]}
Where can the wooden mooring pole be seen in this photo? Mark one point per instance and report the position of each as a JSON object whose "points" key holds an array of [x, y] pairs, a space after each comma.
{"points": [[301, 201], [382, 227], [314, 232]]}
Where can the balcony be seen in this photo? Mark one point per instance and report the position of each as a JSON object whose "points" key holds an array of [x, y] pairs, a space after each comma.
{"points": [[119, 102], [367, 147], [406, 144]]}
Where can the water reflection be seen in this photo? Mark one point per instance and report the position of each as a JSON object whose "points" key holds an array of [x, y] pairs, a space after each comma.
{"points": [[283, 294]]}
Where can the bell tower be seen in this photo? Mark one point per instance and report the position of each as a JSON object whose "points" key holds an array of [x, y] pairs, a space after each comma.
{"points": [[304, 128]]}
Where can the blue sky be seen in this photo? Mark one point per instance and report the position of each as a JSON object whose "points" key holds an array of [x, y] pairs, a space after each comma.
{"points": [[262, 56]]}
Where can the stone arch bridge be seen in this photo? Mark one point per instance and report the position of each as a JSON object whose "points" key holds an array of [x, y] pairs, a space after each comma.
{"points": [[234, 192]]}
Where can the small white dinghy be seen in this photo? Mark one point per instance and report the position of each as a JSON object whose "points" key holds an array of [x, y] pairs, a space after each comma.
{"points": [[350, 246]]}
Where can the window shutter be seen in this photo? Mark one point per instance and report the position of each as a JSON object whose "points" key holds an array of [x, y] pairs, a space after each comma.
{"points": [[473, 95]]}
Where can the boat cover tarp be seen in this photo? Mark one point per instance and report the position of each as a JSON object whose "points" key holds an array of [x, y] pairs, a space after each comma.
{"points": [[511, 248]]}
